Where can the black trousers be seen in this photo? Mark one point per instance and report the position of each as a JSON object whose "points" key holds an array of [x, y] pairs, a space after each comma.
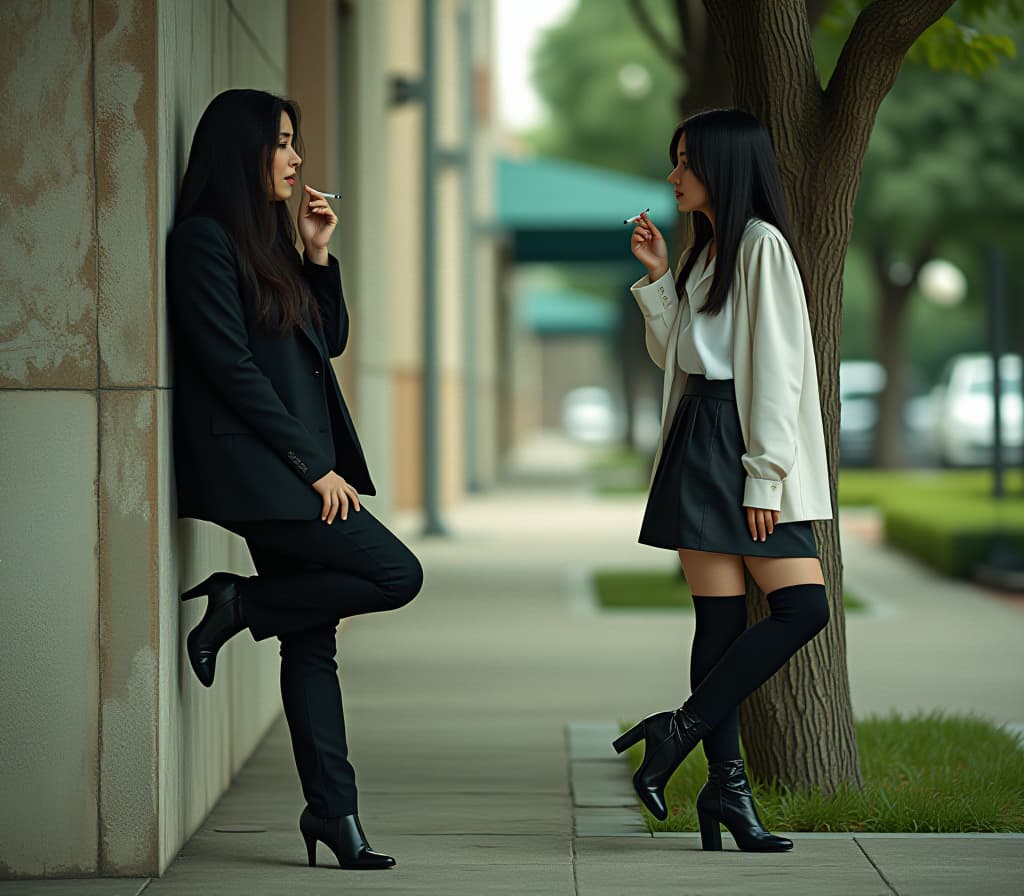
{"points": [[310, 576]]}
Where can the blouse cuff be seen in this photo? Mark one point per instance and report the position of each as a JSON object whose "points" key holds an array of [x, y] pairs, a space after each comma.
{"points": [[655, 298], [765, 494]]}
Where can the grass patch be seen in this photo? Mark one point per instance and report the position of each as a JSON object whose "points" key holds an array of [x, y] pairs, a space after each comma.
{"points": [[643, 590], [900, 488], [927, 773], [617, 471]]}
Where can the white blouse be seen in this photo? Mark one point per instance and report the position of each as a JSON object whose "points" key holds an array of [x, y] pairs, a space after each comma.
{"points": [[705, 342]]}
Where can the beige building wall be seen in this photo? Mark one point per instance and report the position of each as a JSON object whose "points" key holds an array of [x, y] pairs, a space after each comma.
{"points": [[108, 730], [111, 733]]}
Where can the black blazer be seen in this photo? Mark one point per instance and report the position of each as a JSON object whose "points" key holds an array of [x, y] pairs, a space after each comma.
{"points": [[258, 417]]}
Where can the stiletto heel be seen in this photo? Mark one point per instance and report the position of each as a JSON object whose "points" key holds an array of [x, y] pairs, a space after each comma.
{"points": [[310, 848], [345, 838], [710, 832], [222, 620], [627, 739], [197, 590]]}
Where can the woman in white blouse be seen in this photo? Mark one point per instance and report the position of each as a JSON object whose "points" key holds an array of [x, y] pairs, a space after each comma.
{"points": [[741, 466]]}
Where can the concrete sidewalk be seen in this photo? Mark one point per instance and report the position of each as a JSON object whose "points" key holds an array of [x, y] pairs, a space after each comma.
{"points": [[475, 771]]}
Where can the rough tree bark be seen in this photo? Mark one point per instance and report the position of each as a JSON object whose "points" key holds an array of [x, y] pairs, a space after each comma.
{"points": [[798, 728], [892, 329]]}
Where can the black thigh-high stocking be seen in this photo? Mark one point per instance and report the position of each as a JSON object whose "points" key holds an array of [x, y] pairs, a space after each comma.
{"points": [[798, 613], [719, 622]]}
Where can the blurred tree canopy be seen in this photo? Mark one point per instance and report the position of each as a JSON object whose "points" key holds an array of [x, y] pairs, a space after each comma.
{"points": [[941, 178], [611, 96]]}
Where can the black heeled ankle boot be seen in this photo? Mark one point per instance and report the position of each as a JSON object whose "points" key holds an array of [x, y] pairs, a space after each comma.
{"points": [[345, 838], [222, 620], [727, 799], [668, 739]]}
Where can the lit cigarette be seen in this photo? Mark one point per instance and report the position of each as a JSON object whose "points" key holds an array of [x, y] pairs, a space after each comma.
{"points": [[334, 195], [635, 218]]}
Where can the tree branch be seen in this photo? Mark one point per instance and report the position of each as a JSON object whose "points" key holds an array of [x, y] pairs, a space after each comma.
{"points": [[873, 53], [673, 54]]}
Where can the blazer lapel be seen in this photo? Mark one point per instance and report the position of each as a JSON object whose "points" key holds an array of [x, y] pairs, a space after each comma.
{"points": [[313, 336]]}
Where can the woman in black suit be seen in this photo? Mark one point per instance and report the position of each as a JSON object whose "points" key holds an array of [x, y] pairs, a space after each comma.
{"points": [[264, 444]]}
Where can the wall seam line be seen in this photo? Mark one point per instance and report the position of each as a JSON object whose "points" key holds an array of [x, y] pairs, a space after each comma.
{"points": [[100, 858], [267, 58]]}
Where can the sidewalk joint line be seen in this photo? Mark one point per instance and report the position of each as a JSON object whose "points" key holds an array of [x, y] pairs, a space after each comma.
{"points": [[572, 858], [878, 870]]}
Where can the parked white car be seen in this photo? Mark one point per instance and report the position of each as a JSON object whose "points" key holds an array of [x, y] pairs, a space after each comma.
{"points": [[963, 428], [591, 415]]}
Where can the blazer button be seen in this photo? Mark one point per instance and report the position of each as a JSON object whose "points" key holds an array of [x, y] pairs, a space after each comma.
{"points": [[316, 373]]}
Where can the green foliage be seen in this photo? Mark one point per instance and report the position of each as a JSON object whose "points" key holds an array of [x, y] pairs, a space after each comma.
{"points": [[946, 519], [927, 773], [951, 46], [590, 72], [967, 39], [944, 159]]}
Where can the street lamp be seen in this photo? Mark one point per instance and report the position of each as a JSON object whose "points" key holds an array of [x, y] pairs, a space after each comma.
{"points": [[942, 283]]}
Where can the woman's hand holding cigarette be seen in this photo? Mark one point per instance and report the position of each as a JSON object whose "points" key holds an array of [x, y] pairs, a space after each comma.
{"points": [[316, 224], [649, 248]]}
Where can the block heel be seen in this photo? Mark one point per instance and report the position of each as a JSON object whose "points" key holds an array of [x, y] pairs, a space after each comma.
{"points": [[710, 832], [626, 740]]}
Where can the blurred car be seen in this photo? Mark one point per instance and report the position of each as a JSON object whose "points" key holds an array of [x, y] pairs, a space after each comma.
{"points": [[591, 415], [860, 384], [963, 427], [860, 389]]}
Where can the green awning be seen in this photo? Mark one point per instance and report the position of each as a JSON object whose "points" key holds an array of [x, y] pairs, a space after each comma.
{"points": [[563, 211], [563, 312]]}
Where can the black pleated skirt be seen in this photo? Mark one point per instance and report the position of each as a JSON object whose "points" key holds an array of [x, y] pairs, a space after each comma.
{"points": [[696, 498]]}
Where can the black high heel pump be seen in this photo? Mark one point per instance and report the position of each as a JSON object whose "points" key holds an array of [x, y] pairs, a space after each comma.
{"points": [[668, 739], [727, 799], [345, 838], [221, 622]]}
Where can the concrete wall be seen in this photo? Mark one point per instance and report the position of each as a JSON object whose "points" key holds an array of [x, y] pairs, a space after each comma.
{"points": [[112, 737]]}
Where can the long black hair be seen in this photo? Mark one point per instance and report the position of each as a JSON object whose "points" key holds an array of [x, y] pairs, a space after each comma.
{"points": [[731, 154], [229, 177]]}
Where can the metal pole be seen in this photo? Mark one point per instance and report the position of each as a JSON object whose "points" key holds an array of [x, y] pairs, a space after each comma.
{"points": [[997, 302], [471, 422], [431, 361]]}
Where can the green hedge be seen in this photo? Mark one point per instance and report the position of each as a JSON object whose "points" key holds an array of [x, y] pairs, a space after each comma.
{"points": [[947, 519], [952, 546]]}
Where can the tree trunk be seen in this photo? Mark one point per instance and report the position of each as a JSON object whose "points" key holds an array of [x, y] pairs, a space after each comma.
{"points": [[798, 727], [894, 303]]}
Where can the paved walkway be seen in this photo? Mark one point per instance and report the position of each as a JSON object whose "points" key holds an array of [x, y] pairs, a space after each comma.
{"points": [[468, 708]]}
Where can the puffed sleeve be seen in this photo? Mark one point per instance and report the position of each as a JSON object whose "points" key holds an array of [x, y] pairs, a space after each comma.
{"points": [[775, 294]]}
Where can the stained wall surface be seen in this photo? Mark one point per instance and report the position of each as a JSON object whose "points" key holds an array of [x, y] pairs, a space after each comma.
{"points": [[105, 727]]}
